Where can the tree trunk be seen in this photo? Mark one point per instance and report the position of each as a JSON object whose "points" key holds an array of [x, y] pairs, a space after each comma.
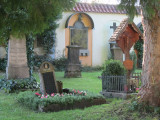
{"points": [[150, 90]]}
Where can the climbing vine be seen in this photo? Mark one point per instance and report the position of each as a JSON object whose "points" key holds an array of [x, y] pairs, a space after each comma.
{"points": [[48, 38], [139, 45], [30, 54]]}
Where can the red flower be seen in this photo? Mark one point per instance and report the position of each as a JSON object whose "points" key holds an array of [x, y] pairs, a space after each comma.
{"points": [[37, 94]]}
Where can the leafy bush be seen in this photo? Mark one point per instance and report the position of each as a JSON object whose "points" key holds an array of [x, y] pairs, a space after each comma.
{"points": [[139, 47], [91, 69], [31, 100], [38, 60], [133, 57], [3, 63], [142, 107], [13, 85], [113, 68], [60, 64]]}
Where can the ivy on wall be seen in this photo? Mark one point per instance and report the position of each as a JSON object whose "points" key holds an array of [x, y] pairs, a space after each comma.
{"points": [[48, 38], [30, 54], [139, 46], [3, 61]]}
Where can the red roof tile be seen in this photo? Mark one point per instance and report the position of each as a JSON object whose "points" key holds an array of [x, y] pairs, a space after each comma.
{"points": [[99, 8]]}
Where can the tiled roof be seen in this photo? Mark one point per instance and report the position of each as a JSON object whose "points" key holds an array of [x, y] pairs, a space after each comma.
{"points": [[121, 28], [99, 8]]}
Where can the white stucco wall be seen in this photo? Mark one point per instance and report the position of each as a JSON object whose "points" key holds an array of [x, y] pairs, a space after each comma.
{"points": [[101, 34]]}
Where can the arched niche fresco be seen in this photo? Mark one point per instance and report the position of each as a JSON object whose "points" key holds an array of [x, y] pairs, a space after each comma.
{"points": [[79, 32]]}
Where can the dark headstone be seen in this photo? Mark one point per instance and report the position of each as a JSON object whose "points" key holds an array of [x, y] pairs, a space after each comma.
{"points": [[48, 82], [73, 67]]}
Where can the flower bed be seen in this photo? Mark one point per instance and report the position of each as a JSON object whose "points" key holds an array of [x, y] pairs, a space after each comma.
{"points": [[56, 102]]}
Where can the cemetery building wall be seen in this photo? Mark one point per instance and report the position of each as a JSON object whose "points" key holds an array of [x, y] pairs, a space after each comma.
{"points": [[100, 34]]}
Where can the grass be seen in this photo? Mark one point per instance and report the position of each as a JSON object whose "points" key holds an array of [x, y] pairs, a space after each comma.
{"points": [[117, 109], [89, 81], [138, 71]]}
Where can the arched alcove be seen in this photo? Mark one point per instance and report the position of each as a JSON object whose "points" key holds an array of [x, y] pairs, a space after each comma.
{"points": [[78, 31]]}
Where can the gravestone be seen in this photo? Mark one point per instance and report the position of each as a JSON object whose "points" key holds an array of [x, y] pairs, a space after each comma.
{"points": [[73, 67], [116, 52], [17, 60], [48, 82]]}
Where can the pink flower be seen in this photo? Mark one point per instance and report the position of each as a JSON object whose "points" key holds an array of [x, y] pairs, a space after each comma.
{"points": [[37, 94], [46, 96], [52, 94], [85, 94], [74, 90], [137, 90], [62, 95], [42, 97]]}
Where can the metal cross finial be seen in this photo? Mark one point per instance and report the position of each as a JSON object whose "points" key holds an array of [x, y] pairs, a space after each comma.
{"points": [[114, 26]]}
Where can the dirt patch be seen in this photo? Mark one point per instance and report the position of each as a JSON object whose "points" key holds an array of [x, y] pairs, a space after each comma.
{"points": [[77, 105]]}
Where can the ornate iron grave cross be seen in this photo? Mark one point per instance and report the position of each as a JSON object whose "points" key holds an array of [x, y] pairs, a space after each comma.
{"points": [[114, 26]]}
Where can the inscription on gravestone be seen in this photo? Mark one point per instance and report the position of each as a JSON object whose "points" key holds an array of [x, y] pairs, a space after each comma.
{"points": [[48, 82], [17, 60]]}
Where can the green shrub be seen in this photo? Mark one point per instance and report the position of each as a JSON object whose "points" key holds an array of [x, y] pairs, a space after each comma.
{"points": [[91, 69], [113, 68], [60, 64], [133, 57], [13, 85], [3, 64], [38, 60], [31, 100]]}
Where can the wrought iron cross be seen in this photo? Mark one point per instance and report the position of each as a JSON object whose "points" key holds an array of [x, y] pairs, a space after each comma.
{"points": [[114, 26]]}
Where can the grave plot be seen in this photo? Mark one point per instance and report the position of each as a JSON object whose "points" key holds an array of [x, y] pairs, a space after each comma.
{"points": [[73, 99], [53, 98]]}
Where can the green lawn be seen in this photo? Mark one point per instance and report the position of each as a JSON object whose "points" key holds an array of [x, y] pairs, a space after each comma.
{"points": [[89, 81], [138, 71], [116, 109]]}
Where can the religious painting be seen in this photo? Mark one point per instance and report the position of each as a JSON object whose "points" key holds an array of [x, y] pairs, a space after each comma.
{"points": [[79, 37], [79, 34]]}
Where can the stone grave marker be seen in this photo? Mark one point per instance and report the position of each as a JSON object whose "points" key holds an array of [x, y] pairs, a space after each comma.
{"points": [[17, 67], [48, 82], [73, 67]]}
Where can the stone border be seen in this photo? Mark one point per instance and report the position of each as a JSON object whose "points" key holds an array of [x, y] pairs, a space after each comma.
{"points": [[117, 95], [77, 105]]}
